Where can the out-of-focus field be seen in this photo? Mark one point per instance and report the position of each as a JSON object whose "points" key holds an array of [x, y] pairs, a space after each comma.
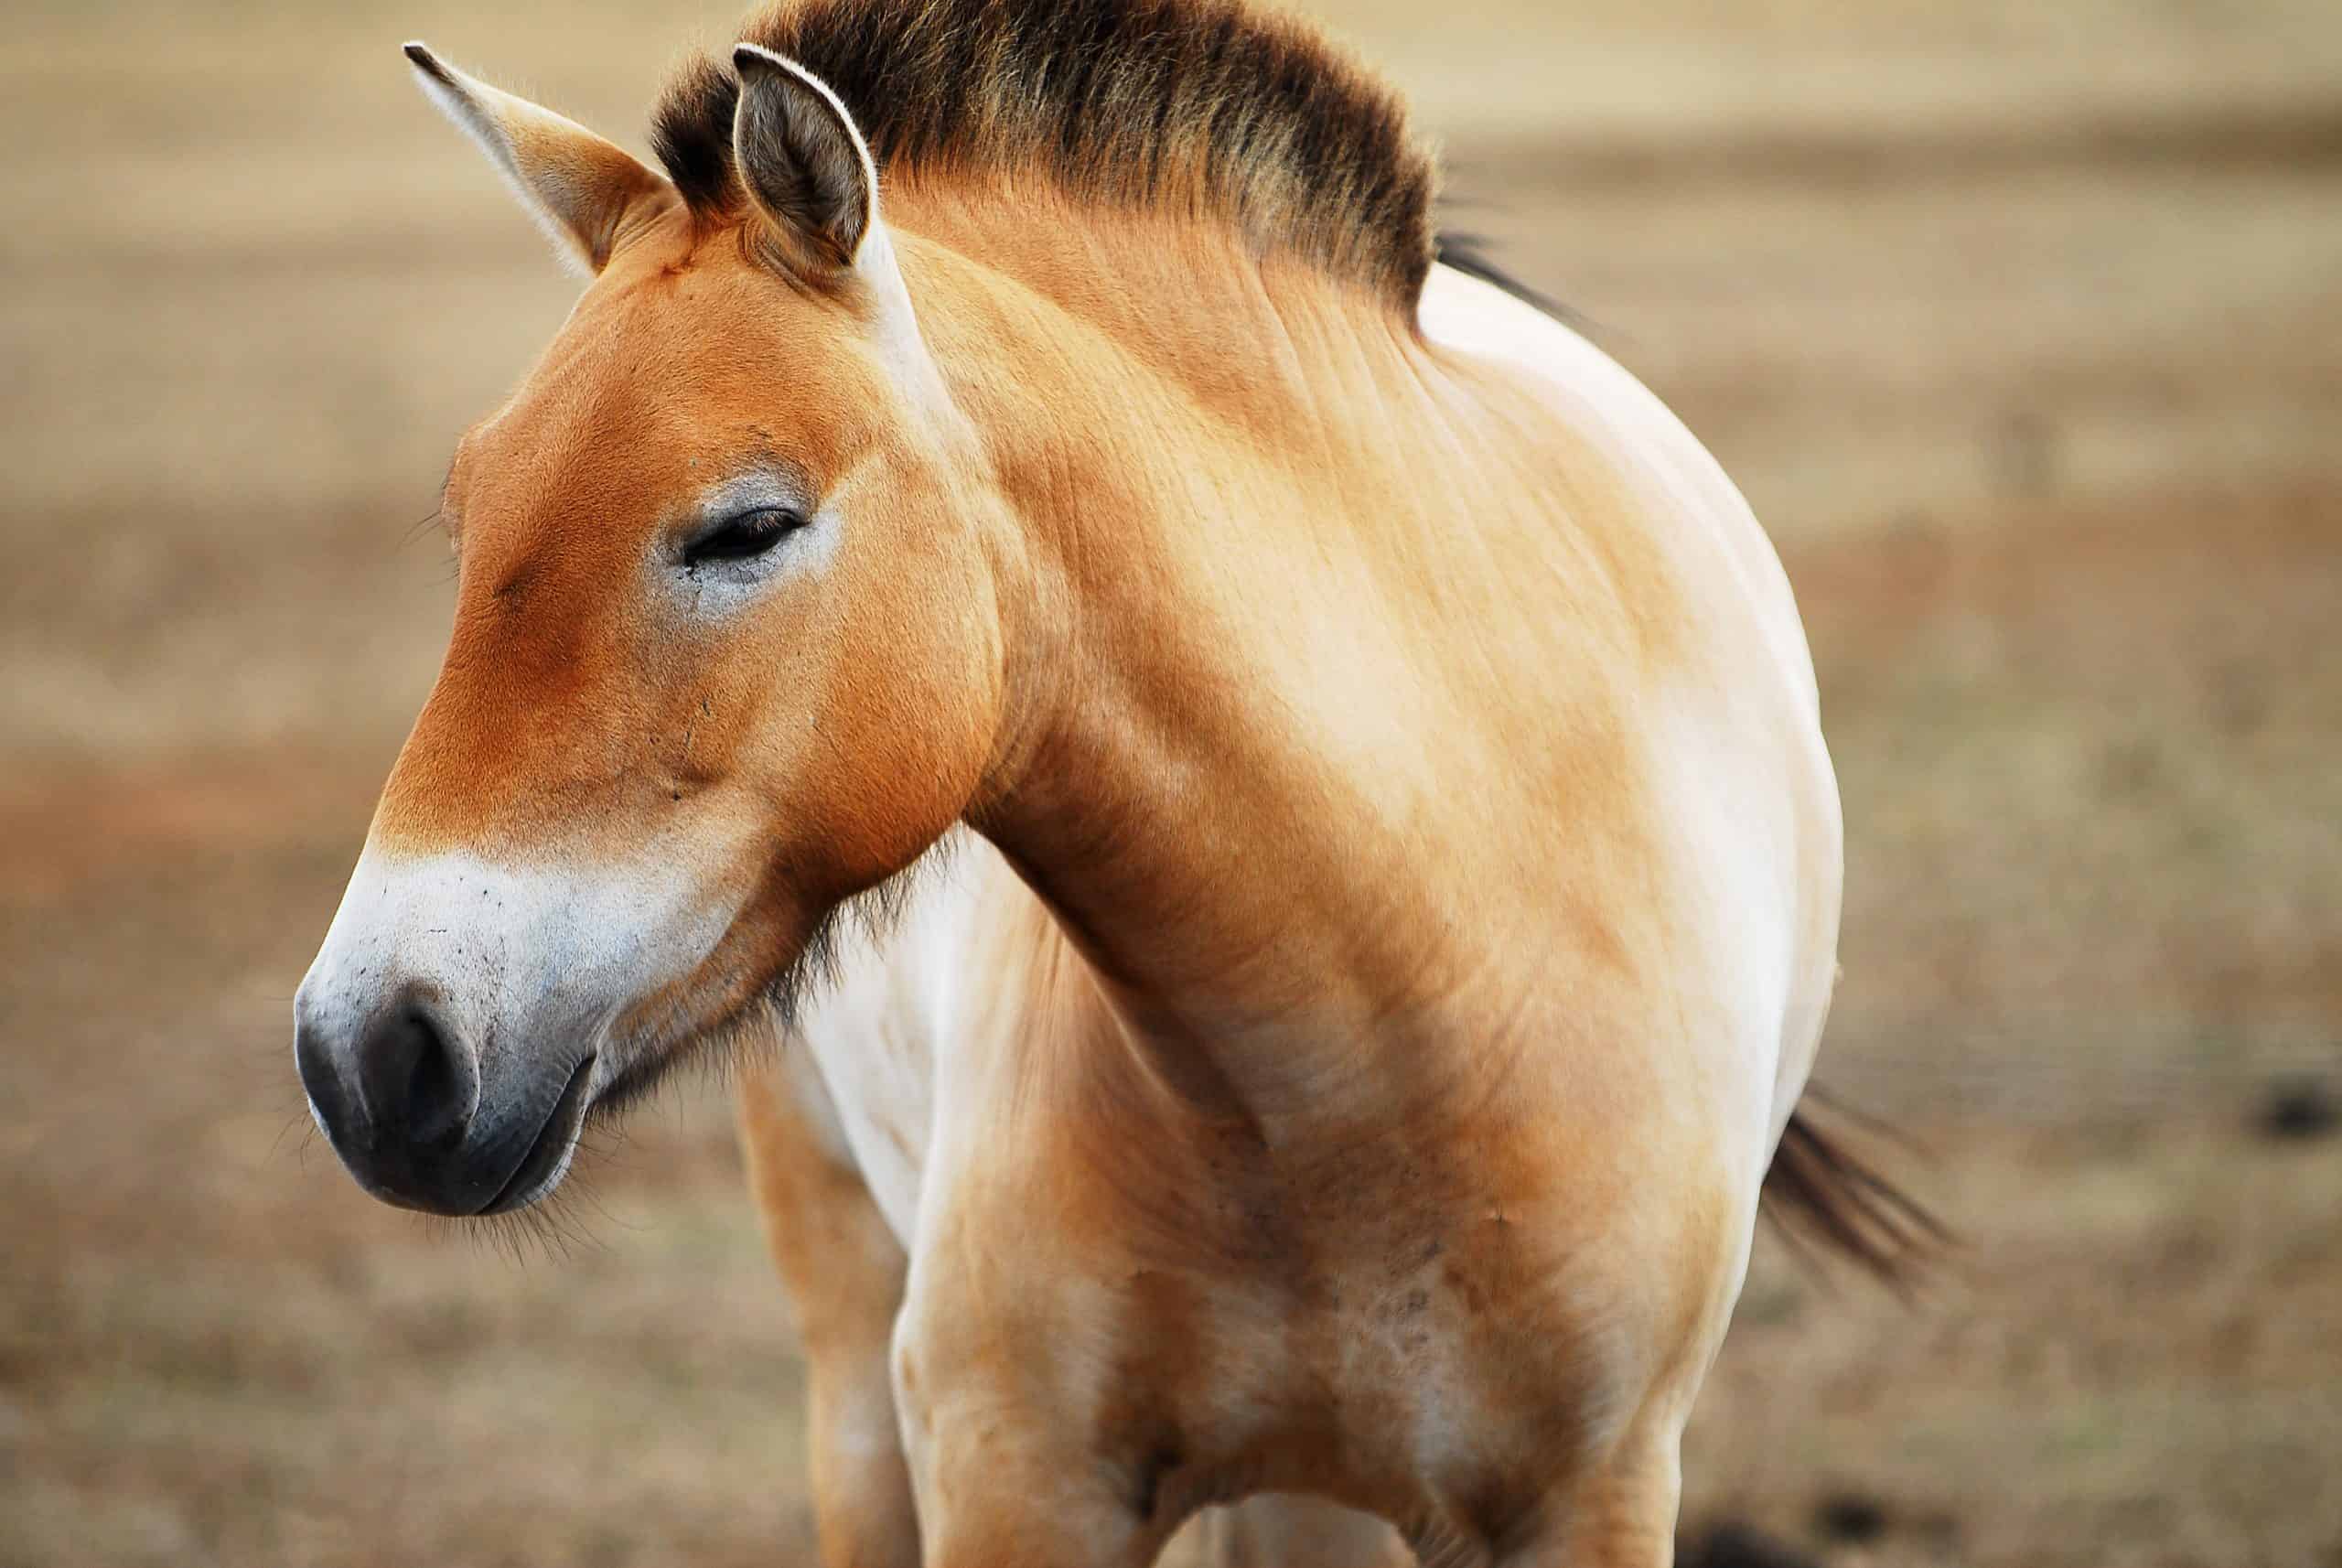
{"points": [[2021, 325]]}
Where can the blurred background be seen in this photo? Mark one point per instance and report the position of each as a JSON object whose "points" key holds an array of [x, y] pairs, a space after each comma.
{"points": [[2020, 321]]}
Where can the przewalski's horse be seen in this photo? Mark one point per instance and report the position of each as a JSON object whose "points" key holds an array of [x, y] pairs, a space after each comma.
{"points": [[1403, 885]]}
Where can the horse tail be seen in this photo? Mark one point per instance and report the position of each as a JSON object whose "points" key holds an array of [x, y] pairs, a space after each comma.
{"points": [[1820, 1194]]}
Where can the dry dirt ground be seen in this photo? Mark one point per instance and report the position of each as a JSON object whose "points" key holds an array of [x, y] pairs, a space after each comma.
{"points": [[2021, 325]]}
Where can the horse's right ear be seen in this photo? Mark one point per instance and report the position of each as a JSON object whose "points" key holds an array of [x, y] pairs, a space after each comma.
{"points": [[582, 191]]}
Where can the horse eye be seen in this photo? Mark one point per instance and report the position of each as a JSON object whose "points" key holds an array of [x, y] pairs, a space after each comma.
{"points": [[739, 538]]}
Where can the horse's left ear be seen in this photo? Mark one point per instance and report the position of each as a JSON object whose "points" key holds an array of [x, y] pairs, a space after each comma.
{"points": [[804, 163], [581, 190]]}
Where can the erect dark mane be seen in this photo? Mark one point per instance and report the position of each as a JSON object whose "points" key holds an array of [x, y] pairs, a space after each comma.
{"points": [[1195, 106]]}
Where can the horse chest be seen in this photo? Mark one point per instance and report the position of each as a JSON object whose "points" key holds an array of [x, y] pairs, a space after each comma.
{"points": [[1200, 1306], [1347, 1333]]}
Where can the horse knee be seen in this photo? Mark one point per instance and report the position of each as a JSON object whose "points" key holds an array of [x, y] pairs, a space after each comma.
{"points": [[863, 1512], [987, 1501], [1621, 1514]]}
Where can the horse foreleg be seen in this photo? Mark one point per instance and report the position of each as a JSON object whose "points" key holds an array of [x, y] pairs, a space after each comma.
{"points": [[1621, 1516], [1277, 1529], [844, 1270]]}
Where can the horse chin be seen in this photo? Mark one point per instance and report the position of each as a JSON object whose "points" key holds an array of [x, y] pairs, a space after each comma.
{"points": [[752, 982], [675, 1028], [549, 1155], [636, 1081]]}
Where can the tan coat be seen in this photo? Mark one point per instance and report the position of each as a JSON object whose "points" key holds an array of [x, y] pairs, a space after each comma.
{"points": [[1389, 866]]}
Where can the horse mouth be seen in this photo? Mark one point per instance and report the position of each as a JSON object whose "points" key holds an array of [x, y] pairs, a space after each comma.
{"points": [[542, 1169]]}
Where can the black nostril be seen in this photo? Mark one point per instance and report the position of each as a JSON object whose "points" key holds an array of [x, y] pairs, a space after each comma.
{"points": [[418, 1079], [432, 1095]]}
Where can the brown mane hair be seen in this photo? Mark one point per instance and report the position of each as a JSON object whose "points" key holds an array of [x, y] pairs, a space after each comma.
{"points": [[1195, 106]]}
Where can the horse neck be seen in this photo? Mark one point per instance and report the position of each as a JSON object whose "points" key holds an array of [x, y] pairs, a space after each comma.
{"points": [[1206, 768]]}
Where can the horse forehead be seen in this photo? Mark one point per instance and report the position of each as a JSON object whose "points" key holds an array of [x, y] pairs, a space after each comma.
{"points": [[708, 310], [599, 416], [698, 362], [571, 472], [667, 378]]}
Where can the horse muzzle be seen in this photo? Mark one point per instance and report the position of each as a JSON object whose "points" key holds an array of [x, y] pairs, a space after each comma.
{"points": [[399, 1092], [452, 1034]]}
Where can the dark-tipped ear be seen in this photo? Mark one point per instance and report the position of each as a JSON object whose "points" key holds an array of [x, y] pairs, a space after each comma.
{"points": [[581, 190], [805, 166]]}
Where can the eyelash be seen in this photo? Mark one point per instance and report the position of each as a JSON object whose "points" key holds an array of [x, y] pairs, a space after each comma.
{"points": [[745, 536]]}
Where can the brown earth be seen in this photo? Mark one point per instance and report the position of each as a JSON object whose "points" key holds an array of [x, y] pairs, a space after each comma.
{"points": [[2021, 326]]}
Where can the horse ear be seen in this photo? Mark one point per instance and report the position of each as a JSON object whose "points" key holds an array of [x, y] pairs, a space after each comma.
{"points": [[806, 167], [581, 190]]}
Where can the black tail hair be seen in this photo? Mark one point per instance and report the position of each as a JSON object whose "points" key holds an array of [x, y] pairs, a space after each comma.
{"points": [[1821, 1196]]}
